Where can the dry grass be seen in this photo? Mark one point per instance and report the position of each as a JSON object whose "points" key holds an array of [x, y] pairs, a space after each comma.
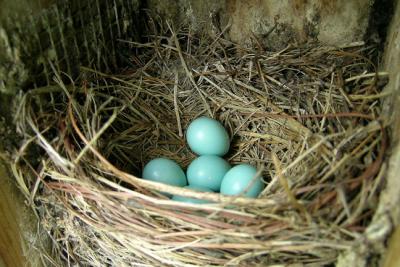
{"points": [[308, 117]]}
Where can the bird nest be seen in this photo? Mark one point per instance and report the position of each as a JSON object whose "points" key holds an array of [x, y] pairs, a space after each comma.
{"points": [[307, 116]]}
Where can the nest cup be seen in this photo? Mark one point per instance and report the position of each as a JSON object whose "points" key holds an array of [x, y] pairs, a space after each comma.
{"points": [[308, 117]]}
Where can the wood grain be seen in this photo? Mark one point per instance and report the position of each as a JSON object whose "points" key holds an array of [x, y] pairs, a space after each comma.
{"points": [[10, 239], [11, 253], [392, 258]]}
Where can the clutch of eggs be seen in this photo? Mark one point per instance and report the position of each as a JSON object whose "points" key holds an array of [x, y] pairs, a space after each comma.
{"points": [[209, 172]]}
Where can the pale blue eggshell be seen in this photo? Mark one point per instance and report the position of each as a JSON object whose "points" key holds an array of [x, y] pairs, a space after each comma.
{"points": [[237, 180], [164, 171], [207, 136], [207, 171], [193, 200]]}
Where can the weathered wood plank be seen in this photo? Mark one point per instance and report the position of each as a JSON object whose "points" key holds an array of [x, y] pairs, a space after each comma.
{"points": [[11, 253]]}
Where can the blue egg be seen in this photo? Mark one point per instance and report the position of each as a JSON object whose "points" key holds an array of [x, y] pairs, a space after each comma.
{"points": [[164, 171], [240, 178], [193, 200], [207, 171], [207, 136]]}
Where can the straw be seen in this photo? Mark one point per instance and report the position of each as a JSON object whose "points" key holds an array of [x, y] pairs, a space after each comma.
{"points": [[307, 116]]}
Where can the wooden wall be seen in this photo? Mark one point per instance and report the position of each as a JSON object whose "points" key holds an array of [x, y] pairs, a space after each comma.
{"points": [[11, 253]]}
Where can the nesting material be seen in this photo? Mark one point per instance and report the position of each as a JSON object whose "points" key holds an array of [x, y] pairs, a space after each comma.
{"points": [[307, 116]]}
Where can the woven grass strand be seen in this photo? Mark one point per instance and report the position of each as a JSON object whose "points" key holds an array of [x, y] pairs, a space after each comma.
{"points": [[308, 116]]}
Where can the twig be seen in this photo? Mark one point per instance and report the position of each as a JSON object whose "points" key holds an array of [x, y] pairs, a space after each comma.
{"points": [[188, 73], [178, 119], [286, 187]]}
